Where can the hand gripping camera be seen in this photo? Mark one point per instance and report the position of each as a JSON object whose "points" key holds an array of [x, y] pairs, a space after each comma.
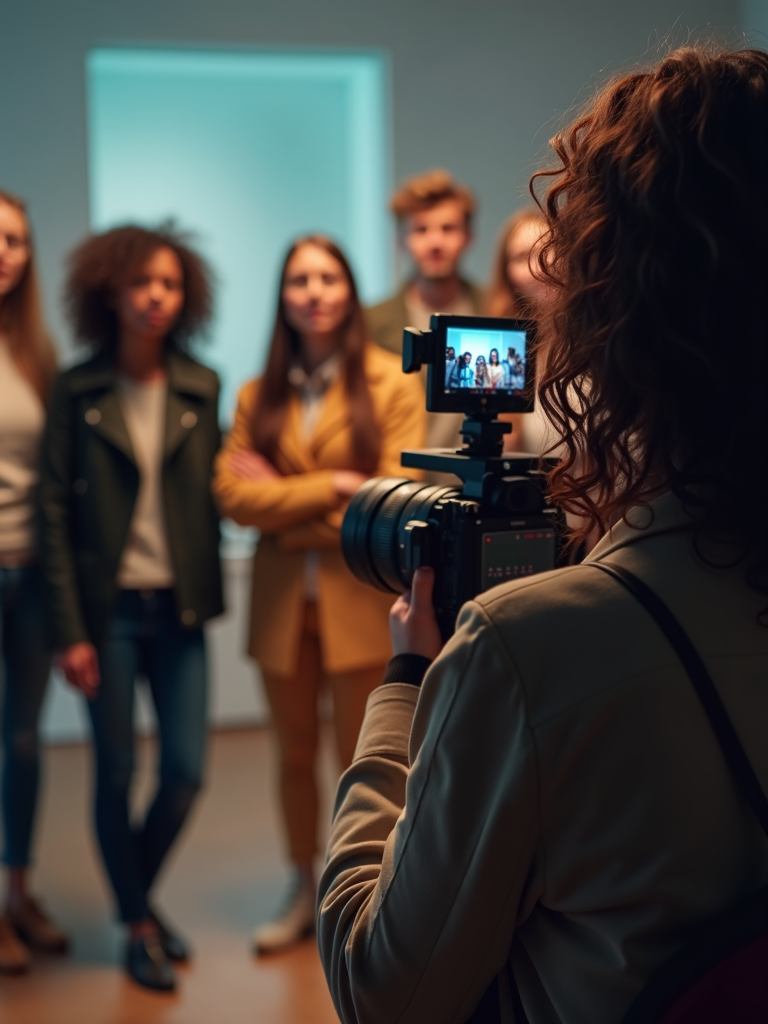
{"points": [[499, 525]]}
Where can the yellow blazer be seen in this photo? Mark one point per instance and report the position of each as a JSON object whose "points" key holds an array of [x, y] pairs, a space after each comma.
{"points": [[301, 512]]}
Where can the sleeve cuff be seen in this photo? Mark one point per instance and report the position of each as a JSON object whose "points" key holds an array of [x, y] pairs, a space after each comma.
{"points": [[407, 668], [386, 728]]}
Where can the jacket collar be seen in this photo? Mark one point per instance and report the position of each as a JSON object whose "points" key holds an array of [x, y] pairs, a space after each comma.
{"points": [[664, 514], [400, 306], [96, 374], [300, 454], [187, 381], [185, 376]]}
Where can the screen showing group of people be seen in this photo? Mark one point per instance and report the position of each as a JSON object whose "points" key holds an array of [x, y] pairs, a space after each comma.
{"points": [[479, 359]]}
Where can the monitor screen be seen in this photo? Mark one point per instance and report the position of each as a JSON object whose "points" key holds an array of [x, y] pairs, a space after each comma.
{"points": [[479, 360]]}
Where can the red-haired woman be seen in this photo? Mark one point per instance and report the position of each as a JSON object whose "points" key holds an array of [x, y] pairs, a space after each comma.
{"points": [[551, 817], [27, 365], [130, 546], [330, 410]]}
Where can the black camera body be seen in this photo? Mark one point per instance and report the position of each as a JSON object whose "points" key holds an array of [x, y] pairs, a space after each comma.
{"points": [[499, 525]]}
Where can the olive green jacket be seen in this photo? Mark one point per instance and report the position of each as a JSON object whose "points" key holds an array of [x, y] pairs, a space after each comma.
{"points": [[88, 488], [387, 320], [553, 797]]}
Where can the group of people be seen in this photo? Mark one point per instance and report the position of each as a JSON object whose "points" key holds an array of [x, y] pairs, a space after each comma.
{"points": [[508, 374], [435, 217], [521, 819], [112, 481], [109, 561]]}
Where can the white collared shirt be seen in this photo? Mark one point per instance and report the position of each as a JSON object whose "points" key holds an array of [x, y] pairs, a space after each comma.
{"points": [[312, 388]]}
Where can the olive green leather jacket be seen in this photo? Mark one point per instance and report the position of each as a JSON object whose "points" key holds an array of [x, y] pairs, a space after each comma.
{"points": [[88, 488]]}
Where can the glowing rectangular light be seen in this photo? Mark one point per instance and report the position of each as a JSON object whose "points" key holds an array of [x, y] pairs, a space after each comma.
{"points": [[247, 150]]}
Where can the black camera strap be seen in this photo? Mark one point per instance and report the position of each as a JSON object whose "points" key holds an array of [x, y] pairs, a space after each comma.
{"points": [[727, 736], [488, 1012], [722, 959]]}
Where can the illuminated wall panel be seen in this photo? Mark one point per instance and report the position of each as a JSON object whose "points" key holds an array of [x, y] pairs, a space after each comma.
{"points": [[248, 150]]}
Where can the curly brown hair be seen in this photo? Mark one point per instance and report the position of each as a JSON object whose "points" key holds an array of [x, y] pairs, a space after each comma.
{"points": [[658, 221], [426, 190], [103, 263]]}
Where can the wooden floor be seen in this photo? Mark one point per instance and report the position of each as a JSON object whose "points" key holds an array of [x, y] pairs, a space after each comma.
{"points": [[226, 876]]}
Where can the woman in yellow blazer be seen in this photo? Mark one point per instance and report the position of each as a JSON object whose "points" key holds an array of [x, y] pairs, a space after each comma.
{"points": [[330, 410]]}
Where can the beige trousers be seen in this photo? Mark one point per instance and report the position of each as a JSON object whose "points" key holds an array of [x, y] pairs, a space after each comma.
{"points": [[293, 703]]}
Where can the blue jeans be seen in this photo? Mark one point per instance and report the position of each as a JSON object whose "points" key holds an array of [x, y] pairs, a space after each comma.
{"points": [[25, 667], [144, 637]]}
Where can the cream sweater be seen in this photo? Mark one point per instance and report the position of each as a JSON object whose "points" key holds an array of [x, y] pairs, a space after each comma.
{"points": [[146, 561], [22, 418]]}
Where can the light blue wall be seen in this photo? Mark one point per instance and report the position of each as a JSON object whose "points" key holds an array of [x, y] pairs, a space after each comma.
{"points": [[249, 151], [476, 87], [753, 20]]}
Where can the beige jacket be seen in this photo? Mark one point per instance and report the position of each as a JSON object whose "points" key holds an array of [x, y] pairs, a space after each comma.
{"points": [[566, 806], [301, 511], [386, 322]]}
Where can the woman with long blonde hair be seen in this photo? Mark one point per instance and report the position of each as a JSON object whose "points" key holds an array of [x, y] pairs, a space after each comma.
{"points": [[27, 364]]}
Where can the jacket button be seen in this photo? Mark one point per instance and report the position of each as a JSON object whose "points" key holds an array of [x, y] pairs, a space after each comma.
{"points": [[80, 486], [92, 417], [188, 617], [188, 419]]}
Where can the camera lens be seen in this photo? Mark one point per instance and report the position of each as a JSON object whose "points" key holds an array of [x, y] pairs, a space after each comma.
{"points": [[373, 525]]}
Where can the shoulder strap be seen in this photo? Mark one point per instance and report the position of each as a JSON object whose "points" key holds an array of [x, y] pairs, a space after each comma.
{"points": [[731, 745]]}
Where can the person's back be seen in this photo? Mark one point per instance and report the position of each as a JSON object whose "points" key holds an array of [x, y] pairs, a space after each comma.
{"points": [[636, 827], [556, 798]]}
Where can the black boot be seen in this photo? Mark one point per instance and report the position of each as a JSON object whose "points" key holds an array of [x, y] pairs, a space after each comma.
{"points": [[148, 964], [174, 946]]}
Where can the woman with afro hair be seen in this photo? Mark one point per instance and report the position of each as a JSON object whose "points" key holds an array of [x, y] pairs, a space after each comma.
{"points": [[130, 546]]}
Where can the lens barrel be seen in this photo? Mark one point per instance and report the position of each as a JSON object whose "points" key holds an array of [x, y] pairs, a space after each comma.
{"points": [[373, 525]]}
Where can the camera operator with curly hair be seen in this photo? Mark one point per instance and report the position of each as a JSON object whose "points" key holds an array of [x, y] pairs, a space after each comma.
{"points": [[551, 811]]}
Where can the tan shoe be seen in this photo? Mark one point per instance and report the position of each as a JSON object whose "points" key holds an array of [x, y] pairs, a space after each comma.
{"points": [[14, 955], [35, 928], [293, 924]]}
